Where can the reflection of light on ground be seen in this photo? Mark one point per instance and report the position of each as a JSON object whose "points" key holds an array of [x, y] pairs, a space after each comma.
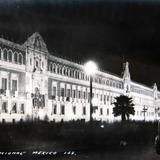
{"points": [[102, 126]]}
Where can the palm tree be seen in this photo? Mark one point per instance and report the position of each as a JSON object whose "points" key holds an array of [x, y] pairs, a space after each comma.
{"points": [[124, 107]]}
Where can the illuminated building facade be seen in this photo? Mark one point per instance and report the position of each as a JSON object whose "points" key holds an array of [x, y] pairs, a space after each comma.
{"points": [[35, 84]]}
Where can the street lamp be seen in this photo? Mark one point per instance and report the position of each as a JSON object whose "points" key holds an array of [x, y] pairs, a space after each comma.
{"points": [[90, 68]]}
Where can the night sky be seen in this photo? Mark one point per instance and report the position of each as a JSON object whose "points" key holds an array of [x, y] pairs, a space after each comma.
{"points": [[109, 32]]}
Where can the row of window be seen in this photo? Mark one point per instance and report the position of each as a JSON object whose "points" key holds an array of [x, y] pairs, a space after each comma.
{"points": [[74, 110], [9, 55], [79, 94], [141, 91], [14, 108], [70, 72], [141, 113]]}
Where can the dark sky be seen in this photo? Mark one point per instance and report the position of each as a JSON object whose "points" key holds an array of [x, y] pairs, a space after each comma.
{"points": [[110, 32]]}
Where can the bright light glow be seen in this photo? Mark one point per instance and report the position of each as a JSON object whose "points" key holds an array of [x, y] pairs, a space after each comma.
{"points": [[90, 67], [102, 126]]}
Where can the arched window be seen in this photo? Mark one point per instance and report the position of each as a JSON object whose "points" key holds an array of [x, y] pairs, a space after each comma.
{"points": [[68, 72], [15, 57], [76, 74], [71, 73], [50, 67], [37, 64], [103, 81], [20, 59], [117, 85], [63, 70], [5, 54], [85, 77], [57, 69], [82, 76], [10, 55], [54, 68], [60, 69], [107, 82]]}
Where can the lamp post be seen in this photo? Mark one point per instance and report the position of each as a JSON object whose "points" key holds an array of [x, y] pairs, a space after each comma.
{"points": [[90, 68]]}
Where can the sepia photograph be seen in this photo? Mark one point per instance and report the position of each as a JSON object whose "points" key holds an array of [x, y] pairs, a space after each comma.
{"points": [[79, 79]]}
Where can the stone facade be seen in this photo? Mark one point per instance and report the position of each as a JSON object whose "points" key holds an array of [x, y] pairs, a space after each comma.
{"points": [[35, 84]]}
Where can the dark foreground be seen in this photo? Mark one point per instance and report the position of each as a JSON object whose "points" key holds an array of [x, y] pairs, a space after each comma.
{"points": [[128, 153], [77, 140]]}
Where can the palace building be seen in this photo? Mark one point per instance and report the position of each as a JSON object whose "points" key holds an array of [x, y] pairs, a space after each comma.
{"points": [[35, 84]]}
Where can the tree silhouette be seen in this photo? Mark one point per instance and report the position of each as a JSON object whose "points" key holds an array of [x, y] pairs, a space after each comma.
{"points": [[124, 107]]}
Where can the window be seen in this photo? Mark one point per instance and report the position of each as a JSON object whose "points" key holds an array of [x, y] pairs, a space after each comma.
{"points": [[111, 99], [14, 86], [101, 98], [15, 57], [84, 95], [30, 61], [104, 99], [68, 92], [22, 108], [37, 64], [62, 92], [74, 110], [62, 110], [84, 111], [54, 109], [101, 111], [107, 111], [54, 91], [88, 96], [4, 107], [79, 94], [20, 58], [54, 68], [14, 107], [107, 98], [4, 83], [5, 54], [50, 67], [74, 93], [10, 56]]}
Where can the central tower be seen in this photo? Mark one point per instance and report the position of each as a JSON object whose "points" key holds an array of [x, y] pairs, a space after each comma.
{"points": [[37, 80]]}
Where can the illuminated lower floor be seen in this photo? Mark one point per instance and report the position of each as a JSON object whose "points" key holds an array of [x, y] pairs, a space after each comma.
{"points": [[21, 109]]}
